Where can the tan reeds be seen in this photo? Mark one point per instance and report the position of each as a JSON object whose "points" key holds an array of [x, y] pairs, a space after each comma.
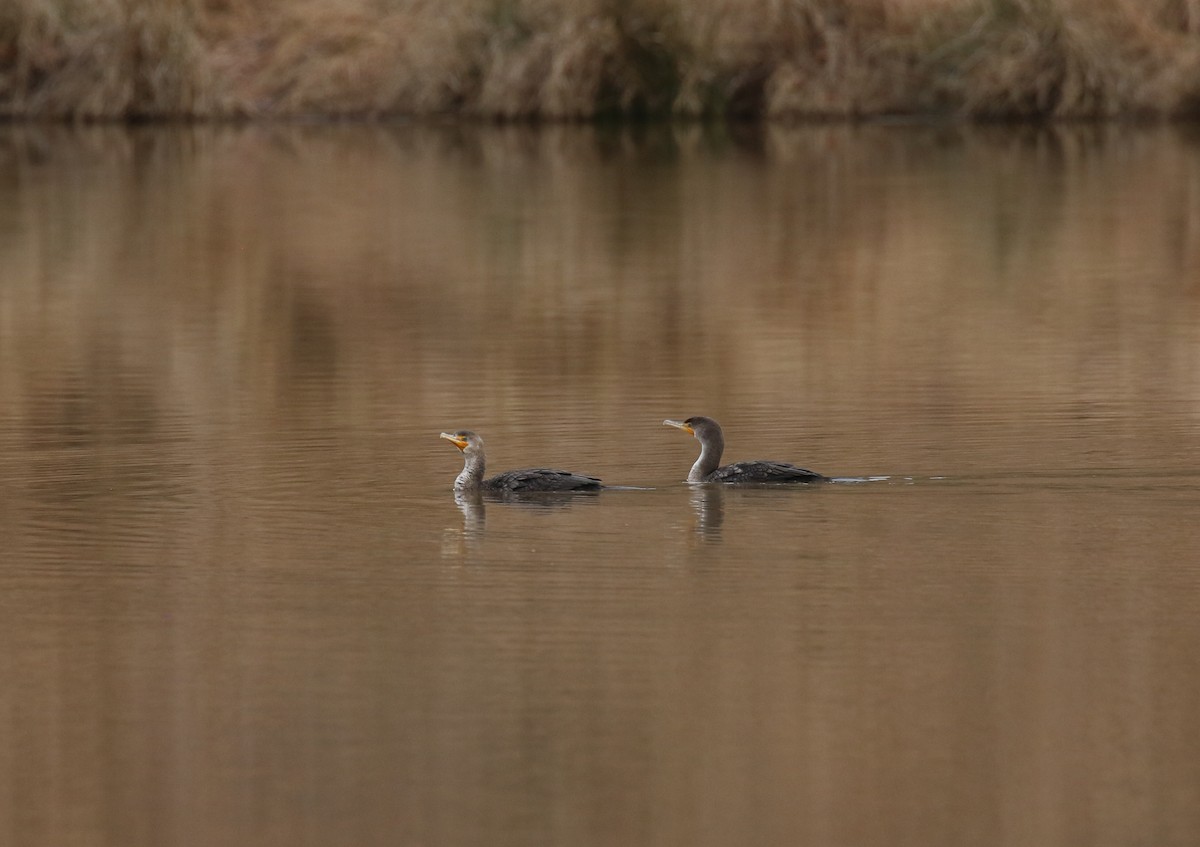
{"points": [[101, 58], [1065, 58], [583, 59]]}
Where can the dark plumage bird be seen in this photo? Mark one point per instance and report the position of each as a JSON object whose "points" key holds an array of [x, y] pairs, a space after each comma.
{"points": [[712, 445], [526, 480]]}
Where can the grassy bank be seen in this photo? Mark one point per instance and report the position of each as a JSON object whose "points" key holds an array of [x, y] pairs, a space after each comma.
{"points": [[582, 59]]}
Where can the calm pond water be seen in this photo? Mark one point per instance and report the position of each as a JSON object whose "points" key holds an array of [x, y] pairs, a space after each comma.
{"points": [[241, 605]]}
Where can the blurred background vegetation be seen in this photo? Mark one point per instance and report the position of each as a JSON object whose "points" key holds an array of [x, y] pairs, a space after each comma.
{"points": [[588, 59]]}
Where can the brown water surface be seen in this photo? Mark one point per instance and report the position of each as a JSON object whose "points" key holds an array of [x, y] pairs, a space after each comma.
{"points": [[240, 604]]}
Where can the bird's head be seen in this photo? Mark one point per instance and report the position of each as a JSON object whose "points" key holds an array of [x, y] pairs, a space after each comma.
{"points": [[705, 429], [465, 440]]}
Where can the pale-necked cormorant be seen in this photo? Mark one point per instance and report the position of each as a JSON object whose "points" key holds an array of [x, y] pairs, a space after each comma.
{"points": [[527, 480], [712, 444]]}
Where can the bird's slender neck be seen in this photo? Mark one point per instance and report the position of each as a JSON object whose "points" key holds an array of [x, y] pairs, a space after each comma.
{"points": [[472, 472], [710, 458]]}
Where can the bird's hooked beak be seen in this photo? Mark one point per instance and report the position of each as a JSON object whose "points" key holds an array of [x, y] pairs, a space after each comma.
{"points": [[460, 443], [680, 425]]}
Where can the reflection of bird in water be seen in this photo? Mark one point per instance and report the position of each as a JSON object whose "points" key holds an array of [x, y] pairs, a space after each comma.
{"points": [[708, 502], [527, 480], [712, 444], [470, 503]]}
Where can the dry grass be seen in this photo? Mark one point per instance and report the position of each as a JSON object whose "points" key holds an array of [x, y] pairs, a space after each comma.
{"points": [[102, 58], [585, 59]]}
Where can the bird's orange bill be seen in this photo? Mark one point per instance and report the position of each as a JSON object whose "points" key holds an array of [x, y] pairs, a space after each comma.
{"points": [[460, 443], [680, 425]]}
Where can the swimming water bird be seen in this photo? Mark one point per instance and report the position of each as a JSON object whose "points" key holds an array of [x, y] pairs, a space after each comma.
{"points": [[712, 444], [527, 480]]}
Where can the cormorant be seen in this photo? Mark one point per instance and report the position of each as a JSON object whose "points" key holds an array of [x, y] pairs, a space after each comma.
{"points": [[526, 480], [712, 444]]}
